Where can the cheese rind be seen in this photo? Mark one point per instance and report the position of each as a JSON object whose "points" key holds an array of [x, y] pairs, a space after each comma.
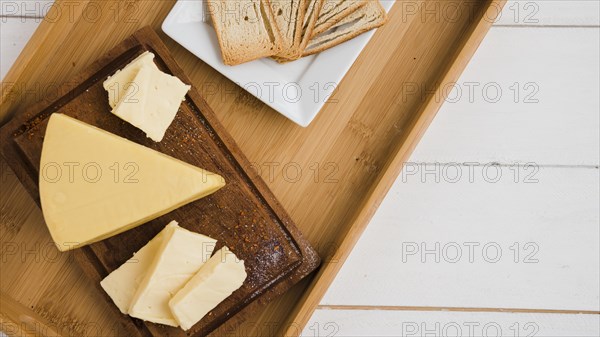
{"points": [[214, 282], [94, 184], [124, 281], [180, 256]]}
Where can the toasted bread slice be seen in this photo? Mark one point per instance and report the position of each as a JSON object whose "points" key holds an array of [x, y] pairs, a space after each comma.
{"points": [[333, 11], [246, 29], [313, 11], [370, 16], [289, 18], [313, 7]]}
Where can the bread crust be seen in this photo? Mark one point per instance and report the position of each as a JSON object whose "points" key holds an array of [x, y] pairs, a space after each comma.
{"points": [[313, 8], [289, 18]]}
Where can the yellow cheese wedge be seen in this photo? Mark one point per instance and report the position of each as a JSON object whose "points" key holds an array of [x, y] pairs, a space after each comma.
{"points": [[215, 281], [124, 281], [181, 254], [94, 184], [118, 84]]}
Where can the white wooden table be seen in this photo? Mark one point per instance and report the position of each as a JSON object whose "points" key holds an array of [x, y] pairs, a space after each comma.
{"points": [[493, 228]]}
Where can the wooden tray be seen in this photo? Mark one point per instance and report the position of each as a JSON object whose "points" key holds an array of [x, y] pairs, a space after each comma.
{"points": [[244, 215], [348, 158]]}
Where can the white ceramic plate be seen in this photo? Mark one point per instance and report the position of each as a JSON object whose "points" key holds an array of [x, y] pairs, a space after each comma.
{"points": [[298, 90]]}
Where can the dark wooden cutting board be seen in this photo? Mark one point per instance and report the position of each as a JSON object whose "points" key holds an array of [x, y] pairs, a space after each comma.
{"points": [[244, 215]]}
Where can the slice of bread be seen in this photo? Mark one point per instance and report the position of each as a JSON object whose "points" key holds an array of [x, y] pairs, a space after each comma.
{"points": [[313, 10], [289, 17], [313, 7], [335, 10], [246, 29], [370, 16]]}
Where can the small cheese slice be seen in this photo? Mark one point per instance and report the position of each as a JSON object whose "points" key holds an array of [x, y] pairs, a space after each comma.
{"points": [[215, 281], [121, 81], [152, 101], [123, 282], [179, 257], [94, 184]]}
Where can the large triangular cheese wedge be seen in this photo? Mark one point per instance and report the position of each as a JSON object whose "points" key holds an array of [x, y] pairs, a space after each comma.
{"points": [[94, 184]]}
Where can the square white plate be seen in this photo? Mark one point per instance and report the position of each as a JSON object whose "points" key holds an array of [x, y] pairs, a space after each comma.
{"points": [[298, 90]]}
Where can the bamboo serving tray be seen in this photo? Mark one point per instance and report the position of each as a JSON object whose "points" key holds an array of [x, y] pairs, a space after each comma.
{"points": [[244, 215], [329, 177]]}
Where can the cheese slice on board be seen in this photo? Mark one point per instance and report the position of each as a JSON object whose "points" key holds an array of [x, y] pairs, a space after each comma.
{"points": [[179, 257], [123, 282], [118, 84], [152, 101], [94, 184], [215, 281]]}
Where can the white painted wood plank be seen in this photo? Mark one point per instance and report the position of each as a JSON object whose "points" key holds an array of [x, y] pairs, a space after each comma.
{"points": [[33, 8], [550, 117], [553, 224], [349, 323], [14, 34], [551, 12]]}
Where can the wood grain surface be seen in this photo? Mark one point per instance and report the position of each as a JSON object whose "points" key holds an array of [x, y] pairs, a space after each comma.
{"points": [[348, 157], [244, 215]]}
